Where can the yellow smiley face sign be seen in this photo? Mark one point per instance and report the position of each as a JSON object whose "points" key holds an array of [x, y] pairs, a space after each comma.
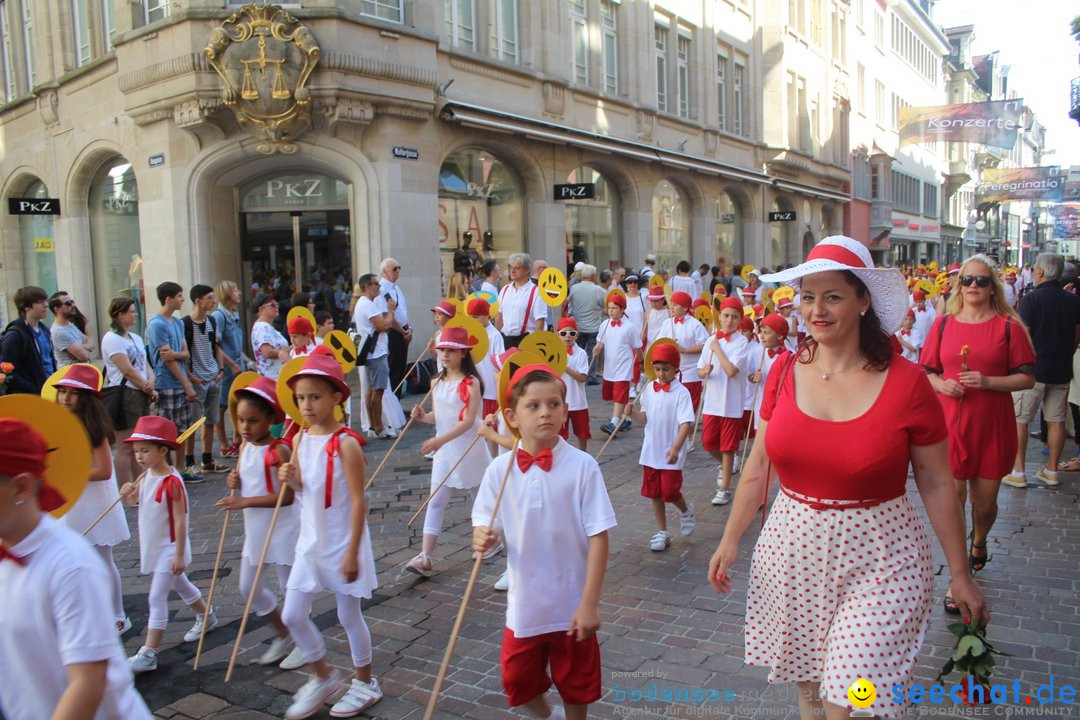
{"points": [[703, 315], [862, 693], [553, 287], [344, 349], [783, 293], [300, 311], [747, 269], [928, 287], [942, 280], [478, 337], [656, 279], [240, 382], [547, 346], [287, 400], [518, 360]]}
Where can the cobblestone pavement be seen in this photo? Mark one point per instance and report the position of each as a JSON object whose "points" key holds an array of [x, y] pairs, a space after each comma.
{"points": [[663, 627]]}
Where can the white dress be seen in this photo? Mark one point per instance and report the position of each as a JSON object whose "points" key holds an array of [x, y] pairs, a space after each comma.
{"points": [[156, 545], [99, 494], [448, 413], [324, 531], [252, 469]]}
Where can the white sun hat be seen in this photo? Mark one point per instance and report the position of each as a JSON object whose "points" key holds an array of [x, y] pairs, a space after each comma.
{"points": [[888, 289]]}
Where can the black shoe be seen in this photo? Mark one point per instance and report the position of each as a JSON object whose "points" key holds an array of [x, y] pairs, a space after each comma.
{"points": [[593, 382]]}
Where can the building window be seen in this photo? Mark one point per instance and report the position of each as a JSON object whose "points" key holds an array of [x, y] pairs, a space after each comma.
{"points": [[382, 9], [592, 226], [579, 40], [155, 10], [860, 76], [879, 30], [860, 13], [905, 192], [660, 46], [797, 15], [7, 58], [116, 253], [738, 106], [816, 12], [683, 69], [108, 24], [36, 237], [860, 176], [879, 102], [877, 192], [460, 23], [792, 112], [28, 46], [721, 90], [729, 228], [609, 32], [671, 225], [803, 116], [80, 16], [839, 36], [930, 200]]}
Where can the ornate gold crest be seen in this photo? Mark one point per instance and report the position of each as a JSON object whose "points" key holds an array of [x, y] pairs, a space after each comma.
{"points": [[265, 58]]}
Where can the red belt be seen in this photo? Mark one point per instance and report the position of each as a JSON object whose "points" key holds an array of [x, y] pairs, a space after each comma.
{"points": [[833, 504]]}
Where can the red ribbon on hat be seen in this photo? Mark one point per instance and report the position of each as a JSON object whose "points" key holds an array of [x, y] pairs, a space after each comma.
{"points": [[6, 554], [333, 449], [463, 393], [272, 460], [542, 460], [173, 487], [836, 253]]}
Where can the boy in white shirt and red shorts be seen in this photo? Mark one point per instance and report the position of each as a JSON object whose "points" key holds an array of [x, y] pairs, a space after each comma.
{"points": [[617, 339]]}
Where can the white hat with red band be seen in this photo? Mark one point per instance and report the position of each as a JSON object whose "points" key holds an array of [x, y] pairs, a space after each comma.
{"points": [[888, 289]]}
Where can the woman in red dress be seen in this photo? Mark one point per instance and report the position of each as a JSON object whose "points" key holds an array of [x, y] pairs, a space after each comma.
{"points": [[976, 355], [841, 580]]}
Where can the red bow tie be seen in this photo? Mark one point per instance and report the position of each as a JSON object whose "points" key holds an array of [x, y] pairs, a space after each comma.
{"points": [[905, 332], [658, 386], [922, 309], [679, 320], [174, 488], [724, 336], [542, 460], [6, 554], [569, 351], [616, 323], [773, 352]]}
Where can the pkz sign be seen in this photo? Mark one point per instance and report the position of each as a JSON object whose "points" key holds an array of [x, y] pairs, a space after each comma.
{"points": [[782, 216], [34, 206], [575, 191]]}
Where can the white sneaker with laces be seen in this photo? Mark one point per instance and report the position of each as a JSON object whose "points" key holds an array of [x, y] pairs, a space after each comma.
{"points": [[196, 630], [278, 649], [294, 661], [660, 542], [687, 520], [503, 583], [1015, 479], [493, 552], [312, 695], [123, 625], [143, 661], [722, 497], [361, 696], [389, 432]]}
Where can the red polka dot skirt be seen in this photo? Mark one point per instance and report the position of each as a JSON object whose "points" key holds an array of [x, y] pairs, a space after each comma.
{"points": [[835, 595]]}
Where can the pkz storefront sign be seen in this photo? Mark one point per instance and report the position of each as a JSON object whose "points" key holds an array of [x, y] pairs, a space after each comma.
{"points": [[34, 206], [782, 216], [575, 191]]}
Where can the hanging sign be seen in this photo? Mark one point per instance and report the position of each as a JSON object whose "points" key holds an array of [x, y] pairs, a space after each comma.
{"points": [[34, 206]]}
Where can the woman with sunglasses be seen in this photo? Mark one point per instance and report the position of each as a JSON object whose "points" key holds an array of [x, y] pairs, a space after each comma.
{"points": [[271, 347], [976, 355]]}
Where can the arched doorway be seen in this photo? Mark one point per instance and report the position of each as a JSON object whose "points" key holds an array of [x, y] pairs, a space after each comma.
{"points": [[115, 247], [729, 229], [671, 225], [592, 232], [807, 245], [782, 232], [37, 243]]}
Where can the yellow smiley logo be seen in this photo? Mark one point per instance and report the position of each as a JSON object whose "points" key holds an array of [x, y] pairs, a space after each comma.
{"points": [[552, 284], [862, 693]]}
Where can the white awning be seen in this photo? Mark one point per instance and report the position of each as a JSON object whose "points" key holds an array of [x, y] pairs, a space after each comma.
{"points": [[813, 190]]}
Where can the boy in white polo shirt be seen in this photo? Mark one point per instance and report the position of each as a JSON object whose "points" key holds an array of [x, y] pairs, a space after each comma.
{"points": [[555, 514], [617, 339], [690, 336], [723, 368], [577, 369]]}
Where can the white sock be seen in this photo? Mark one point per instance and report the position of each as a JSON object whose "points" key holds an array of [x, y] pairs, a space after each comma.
{"points": [[614, 420]]}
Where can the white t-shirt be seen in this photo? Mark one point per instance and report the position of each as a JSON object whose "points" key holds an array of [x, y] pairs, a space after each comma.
{"points": [[547, 519], [723, 396], [753, 362], [636, 306], [685, 284], [517, 311], [909, 336], [485, 369], [688, 333], [575, 390], [489, 288], [924, 319], [132, 346], [366, 308], [263, 333], [56, 610], [619, 344], [656, 320], [665, 412], [401, 312]]}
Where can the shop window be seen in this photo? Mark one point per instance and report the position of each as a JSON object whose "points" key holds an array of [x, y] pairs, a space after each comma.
{"points": [[671, 225], [116, 251], [592, 225], [780, 233], [729, 229], [36, 238]]}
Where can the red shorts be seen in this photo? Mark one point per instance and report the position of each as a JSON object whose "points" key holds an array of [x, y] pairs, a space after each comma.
{"points": [[695, 392], [748, 422], [665, 485], [490, 407], [637, 368], [579, 419], [615, 391], [575, 667], [721, 433]]}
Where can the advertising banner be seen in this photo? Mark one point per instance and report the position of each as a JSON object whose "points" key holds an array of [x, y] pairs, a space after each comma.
{"points": [[1072, 185], [1066, 221], [986, 123], [1033, 183]]}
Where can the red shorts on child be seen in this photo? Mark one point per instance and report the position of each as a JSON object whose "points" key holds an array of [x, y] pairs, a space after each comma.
{"points": [[721, 433], [694, 388], [615, 391], [579, 420], [490, 407], [665, 485], [575, 667]]}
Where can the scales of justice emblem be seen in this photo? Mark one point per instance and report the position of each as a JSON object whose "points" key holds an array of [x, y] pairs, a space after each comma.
{"points": [[265, 58]]}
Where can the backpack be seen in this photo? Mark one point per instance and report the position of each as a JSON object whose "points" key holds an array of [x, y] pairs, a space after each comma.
{"points": [[419, 378], [189, 336]]}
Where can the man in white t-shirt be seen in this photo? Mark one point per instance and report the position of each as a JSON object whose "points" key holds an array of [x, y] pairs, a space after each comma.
{"points": [[400, 334], [372, 320]]}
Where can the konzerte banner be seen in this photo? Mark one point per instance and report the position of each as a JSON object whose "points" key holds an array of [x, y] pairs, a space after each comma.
{"points": [[987, 123], [1034, 183]]}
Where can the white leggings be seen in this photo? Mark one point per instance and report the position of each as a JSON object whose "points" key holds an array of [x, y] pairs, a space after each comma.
{"points": [[160, 586], [436, 509], [296, 615], [265, 599], [105, 552]]}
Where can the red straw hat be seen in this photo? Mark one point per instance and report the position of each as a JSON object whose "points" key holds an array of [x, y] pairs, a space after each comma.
{"points": [[454, 338], [918, 296], [786, 302], [954, 269], [81, 376], [567, 322], [154, 429], [617, 299], [498, 360], [666, 353], [732, 304], [759, 311], [777, 323], [682, 298], [325, 367], [445, 307], [265, 389], [478, 306], [746, 324], [300, 325], [656, 292]]}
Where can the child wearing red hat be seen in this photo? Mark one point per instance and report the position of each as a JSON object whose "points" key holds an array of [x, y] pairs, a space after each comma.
{"points": [[58, 645], [302, 337], [655, 316], [617, 339], [668, 413], [796, 332], [442, 311], [907, 338], [333, 550], [164, 547], [577, 369], [772, 334], [691, 336], [754, 351], [480, 310], [723, 367]]}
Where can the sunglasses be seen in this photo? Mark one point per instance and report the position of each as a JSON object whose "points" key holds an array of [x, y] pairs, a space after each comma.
{"points": [[568, 333], [68, 303], [982, 281], [398, 267]]}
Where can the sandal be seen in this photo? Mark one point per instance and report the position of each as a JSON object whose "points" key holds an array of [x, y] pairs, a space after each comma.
{"points": [[977, 562], [951, 606], [1072, 465]]}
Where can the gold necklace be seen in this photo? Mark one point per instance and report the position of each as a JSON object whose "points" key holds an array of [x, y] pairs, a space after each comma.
{"points": [[826, 375]]}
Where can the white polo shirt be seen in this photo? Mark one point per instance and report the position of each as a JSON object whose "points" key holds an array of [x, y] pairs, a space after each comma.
{"points": [[55, 610], [923, 320], [620, 341], [723, 396], [546, 520], [485, 369], [665, 412], [521, 308], [575, 390], [688, 333]]}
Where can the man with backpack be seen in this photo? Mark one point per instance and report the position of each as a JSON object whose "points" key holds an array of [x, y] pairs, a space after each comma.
{"points": [[205, 369], [27, 344]]}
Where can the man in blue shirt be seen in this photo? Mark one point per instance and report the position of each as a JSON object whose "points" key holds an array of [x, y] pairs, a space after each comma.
{"points": [[26, 342]]}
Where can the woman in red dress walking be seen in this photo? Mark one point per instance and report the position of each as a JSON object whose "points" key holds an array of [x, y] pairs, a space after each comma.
{"points": [[976, 355]]}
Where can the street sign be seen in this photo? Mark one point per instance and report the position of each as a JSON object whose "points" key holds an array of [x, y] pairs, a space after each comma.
{"points": [[575, 191], [406, 153], [157, 160], [782, 216], [34, 206]]}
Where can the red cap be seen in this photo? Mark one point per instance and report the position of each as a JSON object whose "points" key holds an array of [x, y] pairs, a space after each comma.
{"points": [[617, 299], [656, 292], [22, 450], [524, 370], [325, 367], [154, 429], [445, 307], [453, 338], [265, 389], [700, 302], [300, 325], [954, 269], [682, 298], [720, 290], [567, 322], [777, 323], [81, 376], [746, 324], [323, 350], [478, 306], [918, 296], [733, 304], [759, 311], [667, 353], [786, 302]]}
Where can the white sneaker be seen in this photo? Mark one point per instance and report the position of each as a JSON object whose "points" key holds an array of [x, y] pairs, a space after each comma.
{"points": [[371, 434], [196, 630], [1048, 477], [557, 713], [493, 552], [294, 661], [389, 433], [1015, 479], [143, 661], [278, 649], [503, 583], [312, 695], [736, 464], [421, 565], [660, 542], [722, 497], [687, 520], [633, 392], [123, 625], [361, 696]]}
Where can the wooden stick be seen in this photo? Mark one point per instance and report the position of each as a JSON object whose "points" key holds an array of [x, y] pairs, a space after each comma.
{"points": [[753, 402], [415, 363], [701, 404], [478, 557], [624, 417], [443, 481], [213, 582], [398, 439], [254, 583], [113, 504]]}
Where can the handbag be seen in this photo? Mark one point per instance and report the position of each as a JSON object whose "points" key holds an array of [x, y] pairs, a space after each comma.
{"points": [[113, 398]]}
